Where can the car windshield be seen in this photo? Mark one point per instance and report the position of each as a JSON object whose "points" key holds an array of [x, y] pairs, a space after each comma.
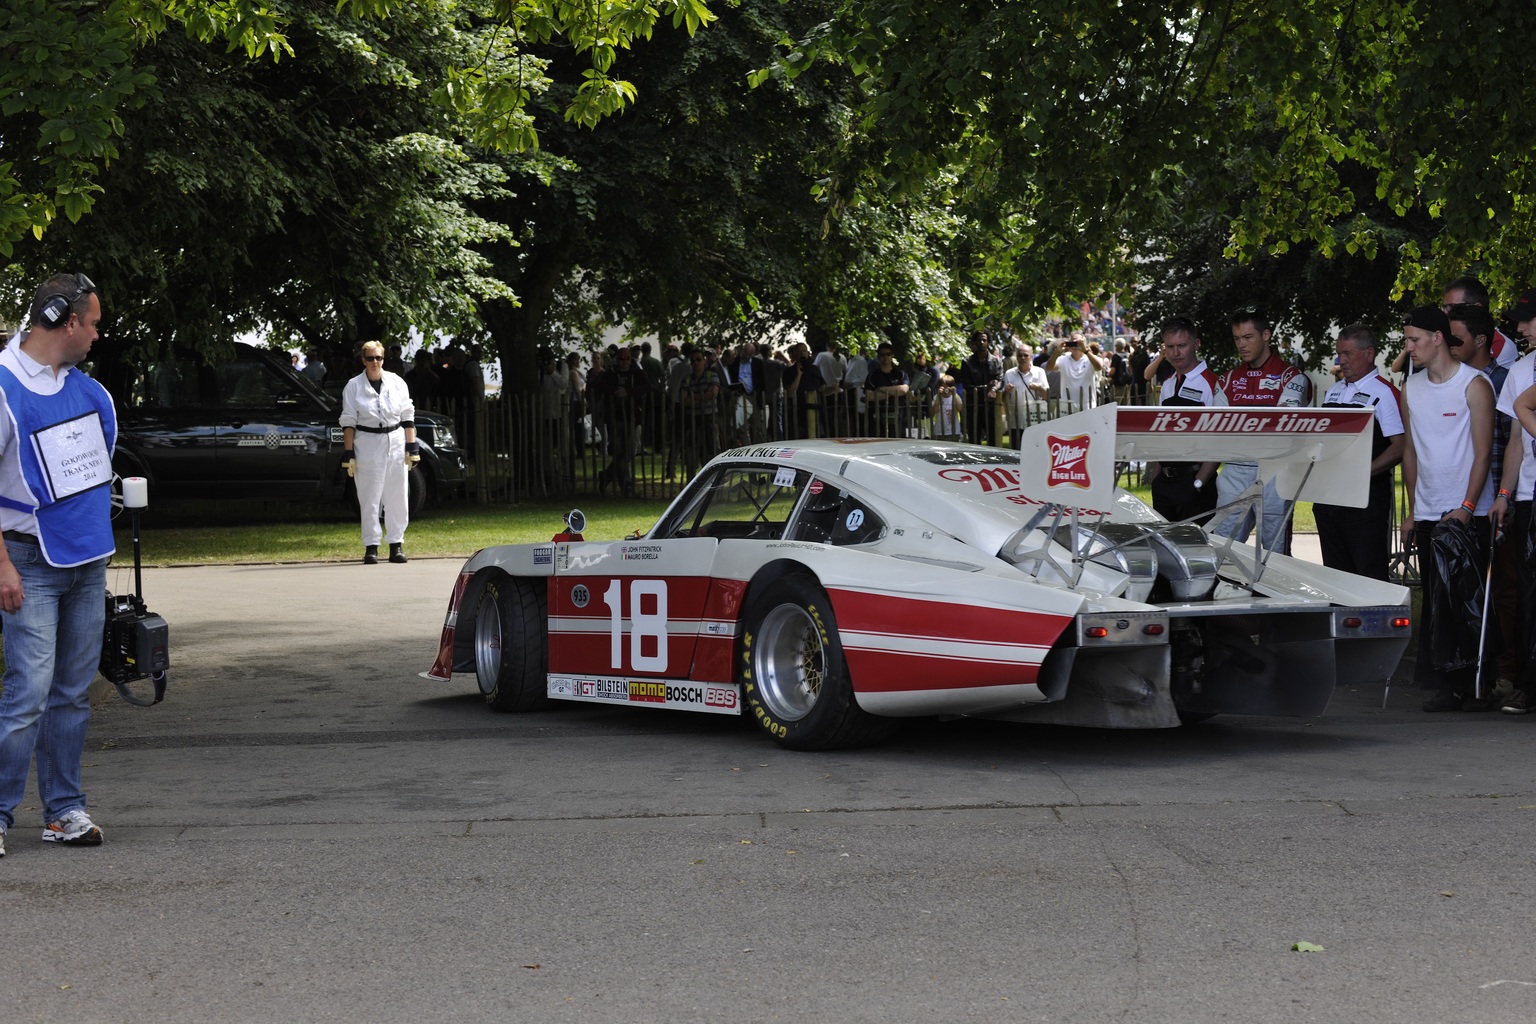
{"points": [[738, 502], [185, 380]]}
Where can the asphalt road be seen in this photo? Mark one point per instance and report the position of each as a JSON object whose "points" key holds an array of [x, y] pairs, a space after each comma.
{"points": [[307, 831]]}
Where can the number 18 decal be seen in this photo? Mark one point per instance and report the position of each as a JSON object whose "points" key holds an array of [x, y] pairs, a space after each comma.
{"points": [[646, 624]]}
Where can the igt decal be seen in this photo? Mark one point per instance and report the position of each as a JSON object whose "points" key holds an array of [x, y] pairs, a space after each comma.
{"points": [[1069, 461]]}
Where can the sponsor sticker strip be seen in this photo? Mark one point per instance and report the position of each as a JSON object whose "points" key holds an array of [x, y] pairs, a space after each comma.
{"points": [[677, 694]]}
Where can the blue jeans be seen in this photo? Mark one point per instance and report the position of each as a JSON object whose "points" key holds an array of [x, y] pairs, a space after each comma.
{"points": [[52, 648], [1235, 478]]}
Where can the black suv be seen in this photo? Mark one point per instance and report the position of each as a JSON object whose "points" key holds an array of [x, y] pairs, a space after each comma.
{"points": [[252, 427]]}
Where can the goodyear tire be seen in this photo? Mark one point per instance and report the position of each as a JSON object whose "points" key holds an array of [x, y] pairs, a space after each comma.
{"points": [[793, 673], [511, 648]]}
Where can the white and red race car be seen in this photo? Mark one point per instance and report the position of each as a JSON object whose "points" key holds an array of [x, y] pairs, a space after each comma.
{"points": [[828, 588]]}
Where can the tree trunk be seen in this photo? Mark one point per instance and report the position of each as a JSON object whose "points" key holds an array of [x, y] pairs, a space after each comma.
{"points": [[518, 329]]}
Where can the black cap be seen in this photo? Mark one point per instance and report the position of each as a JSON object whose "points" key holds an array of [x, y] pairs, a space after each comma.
{"points": [[1432, 318], [1524, 308]]}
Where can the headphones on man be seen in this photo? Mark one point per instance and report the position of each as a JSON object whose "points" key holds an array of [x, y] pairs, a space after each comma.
{"points": [[56, 309]]}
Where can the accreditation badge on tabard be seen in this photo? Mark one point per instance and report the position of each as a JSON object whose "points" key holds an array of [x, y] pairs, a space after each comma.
{"points": [[73, 455]]}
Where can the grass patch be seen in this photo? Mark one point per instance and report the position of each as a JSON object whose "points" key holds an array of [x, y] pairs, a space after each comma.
{"points": [[200, 533]]}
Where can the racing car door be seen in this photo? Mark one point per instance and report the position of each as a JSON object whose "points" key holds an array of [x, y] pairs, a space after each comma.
{"points": [[651, 607]]}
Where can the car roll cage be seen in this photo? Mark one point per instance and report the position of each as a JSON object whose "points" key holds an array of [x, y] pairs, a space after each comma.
{"points": [[1080, 529]]}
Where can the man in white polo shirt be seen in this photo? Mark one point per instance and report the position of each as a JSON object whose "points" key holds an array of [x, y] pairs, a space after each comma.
{"points": [[1359, 540], [1183, 490]]}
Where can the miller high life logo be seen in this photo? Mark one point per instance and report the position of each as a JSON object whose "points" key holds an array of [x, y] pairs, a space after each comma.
{"points": [[1069, 461]]}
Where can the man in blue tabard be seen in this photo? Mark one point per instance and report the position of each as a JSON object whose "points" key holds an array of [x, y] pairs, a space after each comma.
{"points": [[57, 430]]}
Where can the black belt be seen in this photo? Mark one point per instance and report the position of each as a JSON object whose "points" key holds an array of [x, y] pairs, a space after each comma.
{"points": [[378, 430], [24, 538], [1175, 470]]}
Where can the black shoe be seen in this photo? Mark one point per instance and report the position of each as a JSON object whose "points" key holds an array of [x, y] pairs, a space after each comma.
{"points": [[1445, 700], [396, 555], [1517, 703], [371, 555], [1477, 704]]}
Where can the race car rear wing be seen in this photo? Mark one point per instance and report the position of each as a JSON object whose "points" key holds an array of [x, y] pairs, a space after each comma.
{"points": [[1312, 454], [1070, 464]]}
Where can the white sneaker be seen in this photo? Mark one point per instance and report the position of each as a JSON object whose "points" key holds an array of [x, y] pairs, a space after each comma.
{"points": [[2, 842], [74, 828]]}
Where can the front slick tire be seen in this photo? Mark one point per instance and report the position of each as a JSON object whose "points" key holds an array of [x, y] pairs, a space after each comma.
{"points": [[794, 676], [511, 648]]}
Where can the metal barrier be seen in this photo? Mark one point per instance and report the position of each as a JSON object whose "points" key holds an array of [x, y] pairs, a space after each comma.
{"points": [[518, 452]]}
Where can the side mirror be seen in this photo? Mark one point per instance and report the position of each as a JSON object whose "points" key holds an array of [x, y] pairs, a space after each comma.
{"points": [[575, 522]]}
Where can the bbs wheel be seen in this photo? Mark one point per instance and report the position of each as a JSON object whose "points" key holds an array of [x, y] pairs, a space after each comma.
{"points": [[511, 649], [793, 674]]}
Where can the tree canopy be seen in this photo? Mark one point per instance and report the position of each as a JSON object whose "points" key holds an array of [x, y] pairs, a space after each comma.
{"points": [[1082, 134], [900, 168], [324, 195], [698, 214], [70, 70]]}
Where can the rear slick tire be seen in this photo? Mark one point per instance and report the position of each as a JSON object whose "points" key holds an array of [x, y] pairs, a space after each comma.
{"points": [[512, 645], [793, 674]]}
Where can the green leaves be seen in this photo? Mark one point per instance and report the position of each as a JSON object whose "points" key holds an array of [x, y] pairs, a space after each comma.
{"points": [[68, 68], [1106, 125]]}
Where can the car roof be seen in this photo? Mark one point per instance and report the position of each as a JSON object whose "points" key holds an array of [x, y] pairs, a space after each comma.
{"points": [[969, 491]]}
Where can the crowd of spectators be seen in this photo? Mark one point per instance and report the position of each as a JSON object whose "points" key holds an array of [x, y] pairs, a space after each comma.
{"points": [[685, 402]]}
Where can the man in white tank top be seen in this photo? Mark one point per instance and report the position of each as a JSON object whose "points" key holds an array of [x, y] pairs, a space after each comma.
{"points": [[1448, 416]]}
